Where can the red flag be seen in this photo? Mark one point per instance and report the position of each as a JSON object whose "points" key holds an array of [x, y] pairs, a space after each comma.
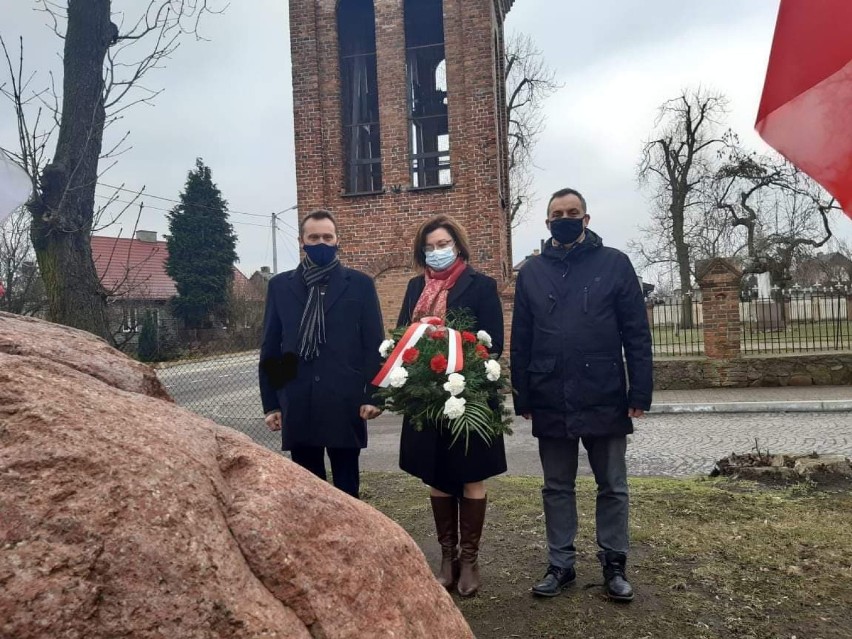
{"points": [[806, 109]]}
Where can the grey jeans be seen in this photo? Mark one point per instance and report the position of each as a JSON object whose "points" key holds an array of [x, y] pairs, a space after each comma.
{"points": [[559, 463]]}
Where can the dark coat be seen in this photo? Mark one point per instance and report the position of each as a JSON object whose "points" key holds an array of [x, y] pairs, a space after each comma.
{"points": [[575, 313], [427, 454], [320, 399]]}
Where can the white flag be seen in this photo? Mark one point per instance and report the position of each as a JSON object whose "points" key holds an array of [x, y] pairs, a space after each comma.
{"points": [[15, 187]]}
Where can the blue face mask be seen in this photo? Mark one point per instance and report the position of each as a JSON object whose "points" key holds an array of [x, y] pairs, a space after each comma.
{"points": [[321, 254], [441, 259], [566, 230]]}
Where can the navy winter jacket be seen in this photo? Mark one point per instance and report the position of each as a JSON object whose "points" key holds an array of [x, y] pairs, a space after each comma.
{"points": [[578, 315]]}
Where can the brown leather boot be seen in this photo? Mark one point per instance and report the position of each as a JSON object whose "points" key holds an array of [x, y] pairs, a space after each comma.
{"points": [[471, 519], [446, 512]]}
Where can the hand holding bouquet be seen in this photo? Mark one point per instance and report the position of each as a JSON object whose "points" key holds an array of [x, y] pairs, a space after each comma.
{"points": [[441, 375]]}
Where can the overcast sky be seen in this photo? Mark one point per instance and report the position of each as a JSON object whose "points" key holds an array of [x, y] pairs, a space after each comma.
{"points": [[229, 100]]}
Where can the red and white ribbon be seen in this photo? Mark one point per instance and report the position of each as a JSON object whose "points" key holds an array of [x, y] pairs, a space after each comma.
{"points": [[455, 354]]}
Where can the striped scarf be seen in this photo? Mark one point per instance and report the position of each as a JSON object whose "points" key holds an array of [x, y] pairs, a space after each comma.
{"points": [[312, 327]]}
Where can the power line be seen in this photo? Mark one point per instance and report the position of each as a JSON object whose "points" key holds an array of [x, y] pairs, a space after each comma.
{"points": [[287, 246], [142, 193], [157, 208], [275, 230]]}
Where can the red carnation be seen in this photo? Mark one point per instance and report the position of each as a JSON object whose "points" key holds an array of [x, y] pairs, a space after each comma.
{"points": [[410, 355], [482, 351], [438, 363], [434, 321], [470, 338], [438, 334]]}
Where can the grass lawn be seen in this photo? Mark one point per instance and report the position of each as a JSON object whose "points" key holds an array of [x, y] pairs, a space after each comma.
{"points": [[710, 558], [797, 337]]}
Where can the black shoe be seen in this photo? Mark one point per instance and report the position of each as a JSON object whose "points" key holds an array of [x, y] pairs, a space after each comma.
{"points": [[616, 585], [555, 580]]}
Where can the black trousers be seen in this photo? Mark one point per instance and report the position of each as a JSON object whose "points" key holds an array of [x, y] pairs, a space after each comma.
{"points": [[344, 465]]}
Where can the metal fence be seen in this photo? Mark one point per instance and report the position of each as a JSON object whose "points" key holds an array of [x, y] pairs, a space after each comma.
{"points": [[797, 323], [677, 327], [789, 322], [223, 388]]}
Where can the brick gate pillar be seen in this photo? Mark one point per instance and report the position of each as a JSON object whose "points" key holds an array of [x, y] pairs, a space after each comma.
{"points": [[719, 279]]}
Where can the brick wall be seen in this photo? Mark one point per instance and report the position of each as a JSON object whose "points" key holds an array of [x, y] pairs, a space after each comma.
{"points": [[507, 296], [377, 230], [391, 285], [719, 280]]}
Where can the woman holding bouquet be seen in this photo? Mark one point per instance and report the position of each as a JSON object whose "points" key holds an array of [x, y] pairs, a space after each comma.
{"points": [[455, 473]]}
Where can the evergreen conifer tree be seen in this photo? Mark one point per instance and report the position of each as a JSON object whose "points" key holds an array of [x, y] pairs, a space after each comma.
{"points": [[202, 251]]}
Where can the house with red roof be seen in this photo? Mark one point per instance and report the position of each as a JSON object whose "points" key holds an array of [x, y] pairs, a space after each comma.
{"points": [[133, 271]]}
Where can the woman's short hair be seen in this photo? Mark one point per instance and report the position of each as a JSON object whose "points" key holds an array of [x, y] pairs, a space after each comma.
{"points": [[452, 227]]}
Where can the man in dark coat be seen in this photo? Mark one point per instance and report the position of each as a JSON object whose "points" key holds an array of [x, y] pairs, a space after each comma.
{"points": [[579, 313], [321, 337]]}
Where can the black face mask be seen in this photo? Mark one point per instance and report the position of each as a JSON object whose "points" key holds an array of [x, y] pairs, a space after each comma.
{"points": [[321, 254], [566, 230]]}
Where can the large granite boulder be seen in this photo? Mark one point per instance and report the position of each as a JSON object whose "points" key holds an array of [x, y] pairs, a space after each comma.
{"points": [[122, 515], [79, 350]]}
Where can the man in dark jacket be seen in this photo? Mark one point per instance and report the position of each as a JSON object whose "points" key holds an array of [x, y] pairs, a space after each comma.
{"points": [[579, 313], [321, 337]]}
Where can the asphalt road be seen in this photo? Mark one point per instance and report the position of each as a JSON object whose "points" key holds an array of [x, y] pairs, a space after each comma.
{"points": [[225, 390]]}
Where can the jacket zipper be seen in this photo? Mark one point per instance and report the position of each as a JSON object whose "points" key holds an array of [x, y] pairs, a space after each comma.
{"points": [[585, 299]]}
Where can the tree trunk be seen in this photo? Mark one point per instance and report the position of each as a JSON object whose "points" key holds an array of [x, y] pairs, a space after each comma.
{"points": [[64, 208], [682, 256]]}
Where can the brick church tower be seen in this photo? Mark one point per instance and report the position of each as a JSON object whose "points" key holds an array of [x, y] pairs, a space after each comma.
{"points": [[399, 116]]}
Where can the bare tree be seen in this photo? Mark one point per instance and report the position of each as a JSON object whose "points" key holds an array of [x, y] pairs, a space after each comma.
{"points": [[529, 82], [106, 56], [782, 212], [676, 166], [19, 275]]}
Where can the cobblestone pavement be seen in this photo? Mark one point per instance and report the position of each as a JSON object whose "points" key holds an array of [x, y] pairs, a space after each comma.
{"points": [[671, 445], [678, 445]]}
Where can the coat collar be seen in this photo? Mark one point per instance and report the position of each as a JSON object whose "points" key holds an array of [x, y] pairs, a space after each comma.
{"points": [[337, 284], [464, 281]]}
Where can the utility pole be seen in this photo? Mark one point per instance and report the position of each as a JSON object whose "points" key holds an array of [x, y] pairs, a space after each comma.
{"points": [[274, 244]]}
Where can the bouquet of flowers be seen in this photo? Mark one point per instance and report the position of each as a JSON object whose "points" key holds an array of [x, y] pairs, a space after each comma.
{"points": [[442, 375]]}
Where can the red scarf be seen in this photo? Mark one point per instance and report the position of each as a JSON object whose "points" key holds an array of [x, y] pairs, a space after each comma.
{"points": [[433, 299]]}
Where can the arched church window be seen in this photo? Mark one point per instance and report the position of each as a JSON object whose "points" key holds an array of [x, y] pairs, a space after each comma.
{"points": [[359, 95], [427, 94]]}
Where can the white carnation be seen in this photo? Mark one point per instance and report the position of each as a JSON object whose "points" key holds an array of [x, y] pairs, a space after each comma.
{"points": [[492, 370], [455, 384], [386, 346], [484, 337], [398, 377], [454, 407]]}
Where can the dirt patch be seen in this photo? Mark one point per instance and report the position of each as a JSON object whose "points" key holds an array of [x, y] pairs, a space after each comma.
{"points": [[711, 558]]}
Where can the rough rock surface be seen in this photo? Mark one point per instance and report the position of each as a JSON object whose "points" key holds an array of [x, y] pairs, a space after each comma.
{"points": [[80, 350], [122, 515]]}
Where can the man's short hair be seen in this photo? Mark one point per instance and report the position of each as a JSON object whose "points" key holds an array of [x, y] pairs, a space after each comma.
{"points": [[318, 214], [563, 193]]}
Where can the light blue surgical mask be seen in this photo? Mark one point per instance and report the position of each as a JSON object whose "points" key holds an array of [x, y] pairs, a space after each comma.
{"points": [[441, 259]]}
